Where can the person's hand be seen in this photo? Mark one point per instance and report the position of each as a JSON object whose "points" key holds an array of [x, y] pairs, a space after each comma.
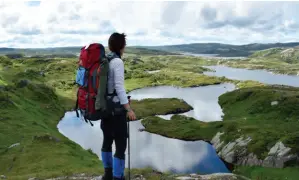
{"points": [[131, 115]]}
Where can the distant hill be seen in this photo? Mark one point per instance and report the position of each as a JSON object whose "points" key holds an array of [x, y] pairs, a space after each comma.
{"points": [[67, 51], [224, 50], [289, 55]]}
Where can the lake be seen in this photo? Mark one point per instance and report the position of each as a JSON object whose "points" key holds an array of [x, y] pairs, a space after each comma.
{"points": [[158, 152], [262, 76]]}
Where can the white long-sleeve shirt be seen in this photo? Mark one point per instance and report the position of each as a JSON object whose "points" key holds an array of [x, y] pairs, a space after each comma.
{"points": [[116, 79]]}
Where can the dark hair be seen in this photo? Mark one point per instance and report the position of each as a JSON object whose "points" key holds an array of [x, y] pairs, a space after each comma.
{"points": [[117, 42]]}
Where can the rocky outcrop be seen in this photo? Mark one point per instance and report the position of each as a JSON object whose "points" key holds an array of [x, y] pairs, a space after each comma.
{"points": [[280, 155], [236, 152], [216, 176]]}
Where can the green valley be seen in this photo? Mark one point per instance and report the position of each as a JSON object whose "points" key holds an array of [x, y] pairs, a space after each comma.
{"points": [[35, 92]]}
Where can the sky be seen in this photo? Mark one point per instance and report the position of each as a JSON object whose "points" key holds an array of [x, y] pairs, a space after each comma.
{"points": [[50, 23]]}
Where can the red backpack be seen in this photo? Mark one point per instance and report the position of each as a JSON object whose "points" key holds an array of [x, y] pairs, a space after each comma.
{"points": [[87, 78]]}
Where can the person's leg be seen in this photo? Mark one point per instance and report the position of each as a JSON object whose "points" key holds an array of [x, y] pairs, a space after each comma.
{"points": [[106, 153], [121, 135]]}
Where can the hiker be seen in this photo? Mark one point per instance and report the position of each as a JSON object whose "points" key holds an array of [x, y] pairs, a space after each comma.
{"points": [[115, 127]]}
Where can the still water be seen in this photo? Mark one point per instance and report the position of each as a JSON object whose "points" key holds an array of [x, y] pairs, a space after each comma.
{"points": [[204, 100], [262, 76], [163, 154], [158, 152]]}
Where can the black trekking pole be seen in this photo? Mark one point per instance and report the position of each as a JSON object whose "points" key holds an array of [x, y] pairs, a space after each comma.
{"points": [[129, 165], [129, 149]]}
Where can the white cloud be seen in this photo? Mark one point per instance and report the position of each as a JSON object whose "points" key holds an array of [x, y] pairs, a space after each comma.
{"points": [[54, 23]]}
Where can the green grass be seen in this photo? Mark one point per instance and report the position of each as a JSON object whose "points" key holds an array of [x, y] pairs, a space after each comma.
{"points": [[151, 107], [262, 173], [253, 114], [181, 127]]}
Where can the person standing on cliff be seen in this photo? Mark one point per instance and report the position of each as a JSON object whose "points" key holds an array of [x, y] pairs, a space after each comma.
{"points": [[115, 127]]}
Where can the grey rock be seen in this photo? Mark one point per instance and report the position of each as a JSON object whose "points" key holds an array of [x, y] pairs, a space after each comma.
{"points": [[33, 178], [227, 148], [274, 103], [216, 140], [278, 148], [230, 157], [42, 73], [215, 176], [284, 152], [251, 159], [13, 145], [138, 177], [2, 177]]}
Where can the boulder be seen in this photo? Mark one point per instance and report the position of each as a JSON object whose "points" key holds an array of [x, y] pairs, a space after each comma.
{"points": [[279, 155]]}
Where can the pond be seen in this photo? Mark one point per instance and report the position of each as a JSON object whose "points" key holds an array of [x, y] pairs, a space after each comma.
{"points": [[204, 100], [163, 154], [262, 76], [158, 152]]}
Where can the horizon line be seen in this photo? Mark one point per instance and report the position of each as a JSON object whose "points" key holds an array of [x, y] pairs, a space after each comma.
{"points": [[52, 47]]}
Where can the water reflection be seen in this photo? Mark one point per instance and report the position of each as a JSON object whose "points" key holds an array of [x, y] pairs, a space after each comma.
{"points": [[204, 100], [163, 154], [256, 75]]}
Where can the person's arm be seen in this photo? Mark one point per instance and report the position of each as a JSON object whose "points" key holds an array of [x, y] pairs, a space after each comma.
{"points": [[118, 70], [119, 81]]}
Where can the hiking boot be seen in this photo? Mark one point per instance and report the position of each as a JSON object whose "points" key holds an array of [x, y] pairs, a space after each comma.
{"points": [[118, 168], [108, 174], [107, 162], [115, 178]]}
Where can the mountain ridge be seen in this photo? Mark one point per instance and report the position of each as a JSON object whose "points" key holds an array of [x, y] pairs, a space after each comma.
{"points": [[219, 49]]}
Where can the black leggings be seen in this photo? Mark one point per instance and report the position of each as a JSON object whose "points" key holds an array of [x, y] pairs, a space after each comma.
{"points": [[115, 128]]}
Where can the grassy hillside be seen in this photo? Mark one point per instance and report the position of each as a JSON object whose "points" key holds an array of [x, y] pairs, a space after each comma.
{"points": [[34, 95], [288, 55], [36, 92], [277, 60]]}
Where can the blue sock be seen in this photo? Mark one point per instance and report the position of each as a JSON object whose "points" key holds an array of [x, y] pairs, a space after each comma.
{"points": [[107, 159], [118, 167]]}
